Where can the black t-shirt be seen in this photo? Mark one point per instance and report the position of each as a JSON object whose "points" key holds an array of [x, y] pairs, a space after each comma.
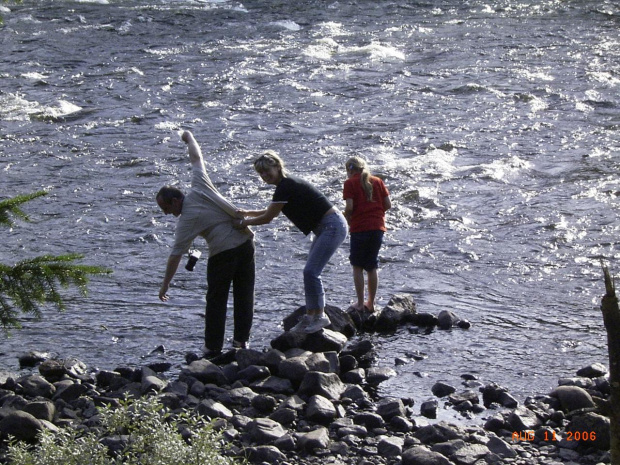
{"points": [[304, 205]]}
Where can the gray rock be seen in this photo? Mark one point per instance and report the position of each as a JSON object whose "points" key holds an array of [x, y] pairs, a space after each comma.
{"points": [[317, 439], [320, 410], [242, 396], [325, 384], [356, 376], [36, 386], [428, 409], [573, 398], [590, 429], [390, 446], [449, 448], [400, 309], [213, 409], [206, 372], [420, 455], [265, 430], [71, 392], [377, 375], [441, 389], [264, 404], [253, 373], [152, 384], [470, 454], [500, 447], [273, 384], [294, 368], [21, 425], [446, 319], [369, 419], [522, 419], [593, 371], [391, 407], [43, 410], [265, 454], [249, 357], [284, 415]]}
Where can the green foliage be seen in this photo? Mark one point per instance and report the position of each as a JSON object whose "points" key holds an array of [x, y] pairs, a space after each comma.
{"points": [[151, 435], [31, 283], [11, 206]]}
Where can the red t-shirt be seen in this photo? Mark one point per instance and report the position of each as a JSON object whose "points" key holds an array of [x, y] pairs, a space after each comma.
{"points": [[367, 216]]}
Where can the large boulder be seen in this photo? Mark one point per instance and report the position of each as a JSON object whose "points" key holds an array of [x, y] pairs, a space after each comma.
{"points": [[573, 398]]}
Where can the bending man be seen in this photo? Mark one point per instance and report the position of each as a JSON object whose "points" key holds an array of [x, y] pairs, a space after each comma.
{"points": [[205, 212]]}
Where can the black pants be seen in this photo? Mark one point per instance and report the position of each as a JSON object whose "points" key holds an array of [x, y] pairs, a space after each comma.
{"points": [[237, 267]]}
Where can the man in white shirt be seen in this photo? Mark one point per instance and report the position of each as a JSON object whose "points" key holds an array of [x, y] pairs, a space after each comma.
{"points": [[205, 212]]}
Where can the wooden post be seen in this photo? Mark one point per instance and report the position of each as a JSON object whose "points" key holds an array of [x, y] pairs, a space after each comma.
{"points": [[611, 319]]}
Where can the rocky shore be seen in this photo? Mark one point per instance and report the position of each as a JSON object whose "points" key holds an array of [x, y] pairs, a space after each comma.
{"points": [[311, 399]]}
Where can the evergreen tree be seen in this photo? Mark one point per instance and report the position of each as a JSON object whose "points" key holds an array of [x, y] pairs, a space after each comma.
{"points": [[31, 283]]}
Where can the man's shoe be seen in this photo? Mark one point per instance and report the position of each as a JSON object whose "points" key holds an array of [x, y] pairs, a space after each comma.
{"points": [[317, 323], [301, 325], [210, 353], [240, 345]]}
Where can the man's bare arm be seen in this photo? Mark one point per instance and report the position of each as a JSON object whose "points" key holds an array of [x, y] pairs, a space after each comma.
{"points": [[171, 269], [195, 155]]}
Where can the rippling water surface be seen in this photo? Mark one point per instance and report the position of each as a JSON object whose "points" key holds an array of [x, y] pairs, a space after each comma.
{"points": [[495, 125]]}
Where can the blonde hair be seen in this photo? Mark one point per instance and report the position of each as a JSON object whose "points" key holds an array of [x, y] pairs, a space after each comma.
{"points": [[267, 160], [359, 165]]}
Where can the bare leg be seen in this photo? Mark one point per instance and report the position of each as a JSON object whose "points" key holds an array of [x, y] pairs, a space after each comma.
{"points": [[373, 283], [358, 280]]}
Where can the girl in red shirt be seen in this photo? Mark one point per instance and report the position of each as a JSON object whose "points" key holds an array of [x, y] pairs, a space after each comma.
{"points": [[367, 200]]}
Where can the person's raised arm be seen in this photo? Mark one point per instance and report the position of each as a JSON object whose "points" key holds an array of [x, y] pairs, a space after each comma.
{"points": [[195, 155]]}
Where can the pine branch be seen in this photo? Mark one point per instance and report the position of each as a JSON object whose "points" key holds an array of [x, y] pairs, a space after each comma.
{"points": [[11, 205], [34, 282]]}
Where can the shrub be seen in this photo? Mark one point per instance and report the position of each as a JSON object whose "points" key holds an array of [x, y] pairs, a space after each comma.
{"points": [[147, 432]]}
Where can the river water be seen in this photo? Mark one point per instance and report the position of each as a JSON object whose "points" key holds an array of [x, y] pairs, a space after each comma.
{"points": [[495, 124]]}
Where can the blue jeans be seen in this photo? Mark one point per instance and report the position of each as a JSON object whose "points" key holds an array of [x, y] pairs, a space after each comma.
{"points": [[330, 233]]}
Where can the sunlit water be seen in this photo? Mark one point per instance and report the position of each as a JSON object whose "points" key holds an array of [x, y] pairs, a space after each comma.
{"points": [[494, 124]]}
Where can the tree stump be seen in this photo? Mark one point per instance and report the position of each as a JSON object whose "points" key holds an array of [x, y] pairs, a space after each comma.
{"points": [[611, 319]]}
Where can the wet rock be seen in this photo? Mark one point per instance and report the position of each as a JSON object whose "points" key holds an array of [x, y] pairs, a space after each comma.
{"points": [[446, 319], [441, 389], [32, 359], [593, 371], [400, 309], [428, 409], [377, 375]]}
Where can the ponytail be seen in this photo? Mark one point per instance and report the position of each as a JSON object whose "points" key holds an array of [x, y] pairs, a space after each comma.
{"points": [[357, 164]]}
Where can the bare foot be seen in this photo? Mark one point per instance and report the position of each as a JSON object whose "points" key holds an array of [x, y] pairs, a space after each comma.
{"points": [[370, 307], [359, 307]]}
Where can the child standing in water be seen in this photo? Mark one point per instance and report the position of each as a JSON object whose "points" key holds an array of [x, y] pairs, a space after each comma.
{"points": [[367, 200]]}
